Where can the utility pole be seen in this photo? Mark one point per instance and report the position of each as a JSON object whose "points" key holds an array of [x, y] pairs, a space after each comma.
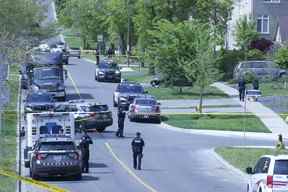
{"points": [[128, 33]]}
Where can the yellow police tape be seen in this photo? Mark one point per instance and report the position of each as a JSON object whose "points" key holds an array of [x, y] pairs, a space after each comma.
{"points": [[39, 184]]}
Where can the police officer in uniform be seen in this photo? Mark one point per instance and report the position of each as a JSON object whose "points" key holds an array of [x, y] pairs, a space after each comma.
{"points": [[84, 147], [137, 149], [242, 89], [121, 120]]}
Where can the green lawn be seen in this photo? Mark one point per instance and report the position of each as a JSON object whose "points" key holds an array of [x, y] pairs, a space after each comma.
{"points": [[73, 41], [273, 89], [235, 122], [242, 158], [8, 134], [187, 93]]}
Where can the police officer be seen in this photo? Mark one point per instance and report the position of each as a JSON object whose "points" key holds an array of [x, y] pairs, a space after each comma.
{"points": [[121, 120], [84, 147], [137, 149], [242, 89]]}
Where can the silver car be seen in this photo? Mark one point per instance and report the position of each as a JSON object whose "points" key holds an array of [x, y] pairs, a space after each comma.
{"points": [[260, 69], [144, 108]]}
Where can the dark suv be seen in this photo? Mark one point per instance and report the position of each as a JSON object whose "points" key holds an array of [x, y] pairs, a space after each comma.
{"points": [[55, 156], [108, 70]]}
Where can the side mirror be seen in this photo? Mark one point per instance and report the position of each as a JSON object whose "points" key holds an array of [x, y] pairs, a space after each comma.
{"points": [[158, 103], [20, 72], [146, 92], [249, 170]]}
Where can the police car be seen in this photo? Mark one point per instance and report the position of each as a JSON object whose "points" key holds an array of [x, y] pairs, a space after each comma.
{"points": [[269, 174], [55, 156]]}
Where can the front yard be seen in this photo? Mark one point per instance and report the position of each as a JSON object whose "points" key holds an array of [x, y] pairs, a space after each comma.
{"points": [[242, 158], [8, 147], [223, 122]]}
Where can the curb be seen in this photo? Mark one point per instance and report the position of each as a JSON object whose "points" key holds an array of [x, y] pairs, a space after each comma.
{"points": [[227, 164]]}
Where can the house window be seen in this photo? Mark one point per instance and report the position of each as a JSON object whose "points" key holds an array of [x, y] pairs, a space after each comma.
{"points": [[272, 1], [263, 24]]}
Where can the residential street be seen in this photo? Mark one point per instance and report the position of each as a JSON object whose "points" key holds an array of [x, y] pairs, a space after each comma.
{"points": [[173, 161]]}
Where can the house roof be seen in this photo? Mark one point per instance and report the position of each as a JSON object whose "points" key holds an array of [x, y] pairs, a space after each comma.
{"points": [[283, 24]]}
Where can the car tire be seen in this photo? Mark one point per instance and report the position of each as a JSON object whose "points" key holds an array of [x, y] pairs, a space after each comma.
{"points": [[78, 177], [158, 120], [114, 103], [96, 79], [34, 176], [100, 129]]}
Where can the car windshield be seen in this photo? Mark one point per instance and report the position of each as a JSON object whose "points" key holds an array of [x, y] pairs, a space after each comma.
{"points": [[96, 108], [281, 167], [39, 98], [257, 65], [105, 65], [147, 102], [66, 108], [130, 89], [45, 74], [57, 146]]}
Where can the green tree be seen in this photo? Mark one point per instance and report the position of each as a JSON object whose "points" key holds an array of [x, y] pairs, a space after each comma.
{"points": [[21, 28], [200, 66], [281, 57], [245, 33]]}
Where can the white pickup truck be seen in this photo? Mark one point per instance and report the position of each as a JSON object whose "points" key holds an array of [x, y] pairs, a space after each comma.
{"points": [[47, 124]]}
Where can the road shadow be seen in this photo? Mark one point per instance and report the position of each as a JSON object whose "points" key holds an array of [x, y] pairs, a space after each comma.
{"points": [[89, 178], [74, 96], [152, 170], [97, 165]]}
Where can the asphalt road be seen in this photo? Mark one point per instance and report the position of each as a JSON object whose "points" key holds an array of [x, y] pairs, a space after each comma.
{"points": [[173, 161]]}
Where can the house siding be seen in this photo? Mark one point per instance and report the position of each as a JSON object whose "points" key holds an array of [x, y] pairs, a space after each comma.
{"points": [[274, 11]]}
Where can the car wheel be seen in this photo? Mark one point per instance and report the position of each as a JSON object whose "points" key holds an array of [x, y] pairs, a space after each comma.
{"points": [[78, 177], [114, 103], [96, 79], [260, 190], [34, 176], [158, 120], [100, 129]]}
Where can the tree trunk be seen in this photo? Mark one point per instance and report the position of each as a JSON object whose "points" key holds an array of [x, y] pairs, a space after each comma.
{"points": [[201, 99]]}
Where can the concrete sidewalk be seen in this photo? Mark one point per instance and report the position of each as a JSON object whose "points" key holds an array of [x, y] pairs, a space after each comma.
{"points": [[270, 119]]}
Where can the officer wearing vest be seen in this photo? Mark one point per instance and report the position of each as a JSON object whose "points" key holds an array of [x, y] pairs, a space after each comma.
{"points": [[121, 120], [84, 147], [137, 149]]}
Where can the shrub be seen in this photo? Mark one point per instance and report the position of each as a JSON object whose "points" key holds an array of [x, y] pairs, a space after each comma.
{"points": [[227, 61], [281, 57], [262, 44], [255, 54]]}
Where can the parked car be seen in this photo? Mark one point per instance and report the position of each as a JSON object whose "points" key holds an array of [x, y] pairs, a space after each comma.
{"points": [[126, 92], [38, 101], [269, 174], [89, 115], [75, 52], [108, 70], [144, 108], [55, 156], [260, 69]]}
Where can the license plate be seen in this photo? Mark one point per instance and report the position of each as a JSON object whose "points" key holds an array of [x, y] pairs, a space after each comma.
{"points": [[146, 116], [57, 158]]}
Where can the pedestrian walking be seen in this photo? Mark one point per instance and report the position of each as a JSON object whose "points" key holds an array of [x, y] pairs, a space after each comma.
{"points": [[242, 89], [97, 56], [137, 149], [110, 52], [84, 147], [121, 119]]}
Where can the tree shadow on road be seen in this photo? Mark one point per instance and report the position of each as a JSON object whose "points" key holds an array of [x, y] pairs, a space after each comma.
{"points": [[74, 96]]}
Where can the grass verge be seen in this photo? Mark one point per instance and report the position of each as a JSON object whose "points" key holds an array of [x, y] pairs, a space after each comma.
{"points": [[242, 158], [8, 148], [164, 93], [217, 122]]}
